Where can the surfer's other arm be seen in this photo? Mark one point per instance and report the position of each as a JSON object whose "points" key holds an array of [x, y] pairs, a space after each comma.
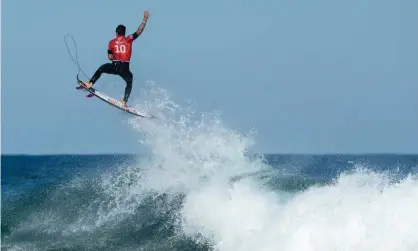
{"points": [[110, 54], [142, 25]]}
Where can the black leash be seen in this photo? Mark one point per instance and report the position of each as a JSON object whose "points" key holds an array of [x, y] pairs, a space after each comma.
{"points": [[75, 59]]}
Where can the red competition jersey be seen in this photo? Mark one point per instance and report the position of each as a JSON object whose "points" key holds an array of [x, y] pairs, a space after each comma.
{"points": [[121, 47]]}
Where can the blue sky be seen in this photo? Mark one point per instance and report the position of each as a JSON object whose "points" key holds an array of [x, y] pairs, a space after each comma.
{"points": [[310, 76]]}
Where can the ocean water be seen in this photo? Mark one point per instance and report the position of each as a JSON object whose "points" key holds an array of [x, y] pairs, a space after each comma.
{"points": [[201, 187]]}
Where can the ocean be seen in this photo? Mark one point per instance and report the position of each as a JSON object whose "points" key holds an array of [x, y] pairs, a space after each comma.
{"points": [[124, 202], [201, 187]]}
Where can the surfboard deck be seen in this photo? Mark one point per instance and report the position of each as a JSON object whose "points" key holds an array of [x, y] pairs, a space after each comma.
{"points": [[111, 101]]}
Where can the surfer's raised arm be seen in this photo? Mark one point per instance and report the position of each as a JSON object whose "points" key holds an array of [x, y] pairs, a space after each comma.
{"points": [[143, 24]]}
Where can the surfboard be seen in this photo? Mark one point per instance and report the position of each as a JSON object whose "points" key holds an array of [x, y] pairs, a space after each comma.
{"points": [[93, 92]]}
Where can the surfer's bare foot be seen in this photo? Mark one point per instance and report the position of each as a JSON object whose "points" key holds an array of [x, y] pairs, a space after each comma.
{"points": [[88, 84], [123, 103]]}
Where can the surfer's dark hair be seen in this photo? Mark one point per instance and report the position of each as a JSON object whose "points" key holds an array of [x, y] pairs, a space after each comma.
{"points": [[121, 30]]}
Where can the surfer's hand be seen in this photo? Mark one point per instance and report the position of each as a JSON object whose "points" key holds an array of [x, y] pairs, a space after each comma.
{"points": [[146, 15]]}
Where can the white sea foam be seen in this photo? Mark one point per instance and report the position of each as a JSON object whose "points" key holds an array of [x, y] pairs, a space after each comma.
{"points": [[362, 211]]}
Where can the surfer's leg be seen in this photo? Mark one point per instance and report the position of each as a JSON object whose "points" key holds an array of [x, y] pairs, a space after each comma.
{"points": [[128, 90], [108, 68], [128, 77]]}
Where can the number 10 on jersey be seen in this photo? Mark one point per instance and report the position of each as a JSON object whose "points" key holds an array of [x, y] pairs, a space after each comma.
{"points": [[120, 48]]}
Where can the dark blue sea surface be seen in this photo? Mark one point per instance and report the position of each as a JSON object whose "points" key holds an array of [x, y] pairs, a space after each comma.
{"points": [[128, 202]]}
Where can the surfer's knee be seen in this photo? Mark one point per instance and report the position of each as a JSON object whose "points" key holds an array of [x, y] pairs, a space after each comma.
{"points": [[106, 68], [128, 76]]}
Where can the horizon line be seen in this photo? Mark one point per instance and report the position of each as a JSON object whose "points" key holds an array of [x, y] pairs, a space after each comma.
{"points": [[255, 153]]}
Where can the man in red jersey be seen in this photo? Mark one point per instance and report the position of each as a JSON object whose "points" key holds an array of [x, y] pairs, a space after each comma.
{"points": [[119, 52]]}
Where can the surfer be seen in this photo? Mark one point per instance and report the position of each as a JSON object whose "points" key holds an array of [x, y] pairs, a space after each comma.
{"points": [[119, 52]]}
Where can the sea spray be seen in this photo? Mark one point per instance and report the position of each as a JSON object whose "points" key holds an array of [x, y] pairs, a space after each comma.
{"points": [[361, 211]]}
